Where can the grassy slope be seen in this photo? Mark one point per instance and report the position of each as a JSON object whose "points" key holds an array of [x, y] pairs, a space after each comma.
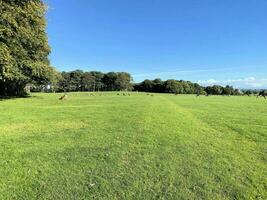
{"points": [[133, 147]]}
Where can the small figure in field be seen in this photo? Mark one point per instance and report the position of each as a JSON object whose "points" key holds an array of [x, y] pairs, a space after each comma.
{"points": [[64, 97]]}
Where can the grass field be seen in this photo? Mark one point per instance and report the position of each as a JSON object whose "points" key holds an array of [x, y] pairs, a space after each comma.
{"points": [[133, 147]]}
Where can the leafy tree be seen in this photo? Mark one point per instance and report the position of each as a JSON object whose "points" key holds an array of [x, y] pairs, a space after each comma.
{"points": [[87, 82], [170, 86], [24, 46], [146, 86], [214, 90], [228, 90], [109, 80], [248, 92], [123, 81], [263, 93], [76, 80], [209, 90], [200, 90], [98, 80], [173, 86], [94, 81], [236, 92], [64, 82], [186, 87], [158, 85]]}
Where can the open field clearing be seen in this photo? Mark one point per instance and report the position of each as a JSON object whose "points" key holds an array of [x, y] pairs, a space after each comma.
{"points": [[133, 147]]}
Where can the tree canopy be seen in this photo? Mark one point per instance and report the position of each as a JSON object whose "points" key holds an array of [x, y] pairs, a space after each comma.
{"points": [[169, 86], [183, 87], [94, 81], [24, 46]]}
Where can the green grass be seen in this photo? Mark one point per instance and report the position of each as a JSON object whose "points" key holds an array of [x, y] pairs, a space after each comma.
{"points": [[133, 147]]}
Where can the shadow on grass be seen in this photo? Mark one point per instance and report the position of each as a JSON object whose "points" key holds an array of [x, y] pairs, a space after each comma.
{"points": [[3, 98]]}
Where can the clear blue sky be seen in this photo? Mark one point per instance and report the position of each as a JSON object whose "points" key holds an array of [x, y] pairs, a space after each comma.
{"points": [[205, 41]]}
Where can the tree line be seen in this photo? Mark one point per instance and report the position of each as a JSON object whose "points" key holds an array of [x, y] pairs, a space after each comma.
{"points": [[94, 81], [169, 86], [79, 81], [184, 87]]}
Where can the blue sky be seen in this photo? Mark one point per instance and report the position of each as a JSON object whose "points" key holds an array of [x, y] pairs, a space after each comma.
{"points": [[205, 41]]}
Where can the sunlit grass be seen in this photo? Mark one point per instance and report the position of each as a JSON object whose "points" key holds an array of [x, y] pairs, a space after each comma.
{"points": [[133, 147]]}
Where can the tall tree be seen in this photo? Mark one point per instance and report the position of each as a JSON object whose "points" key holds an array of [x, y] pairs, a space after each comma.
{"points": [[228, 90], [146, 86], [158, 85], [24, 46], [123, 81], [109, 80], [76, 80], [98, 80], [88, 82], [172, 86]]}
